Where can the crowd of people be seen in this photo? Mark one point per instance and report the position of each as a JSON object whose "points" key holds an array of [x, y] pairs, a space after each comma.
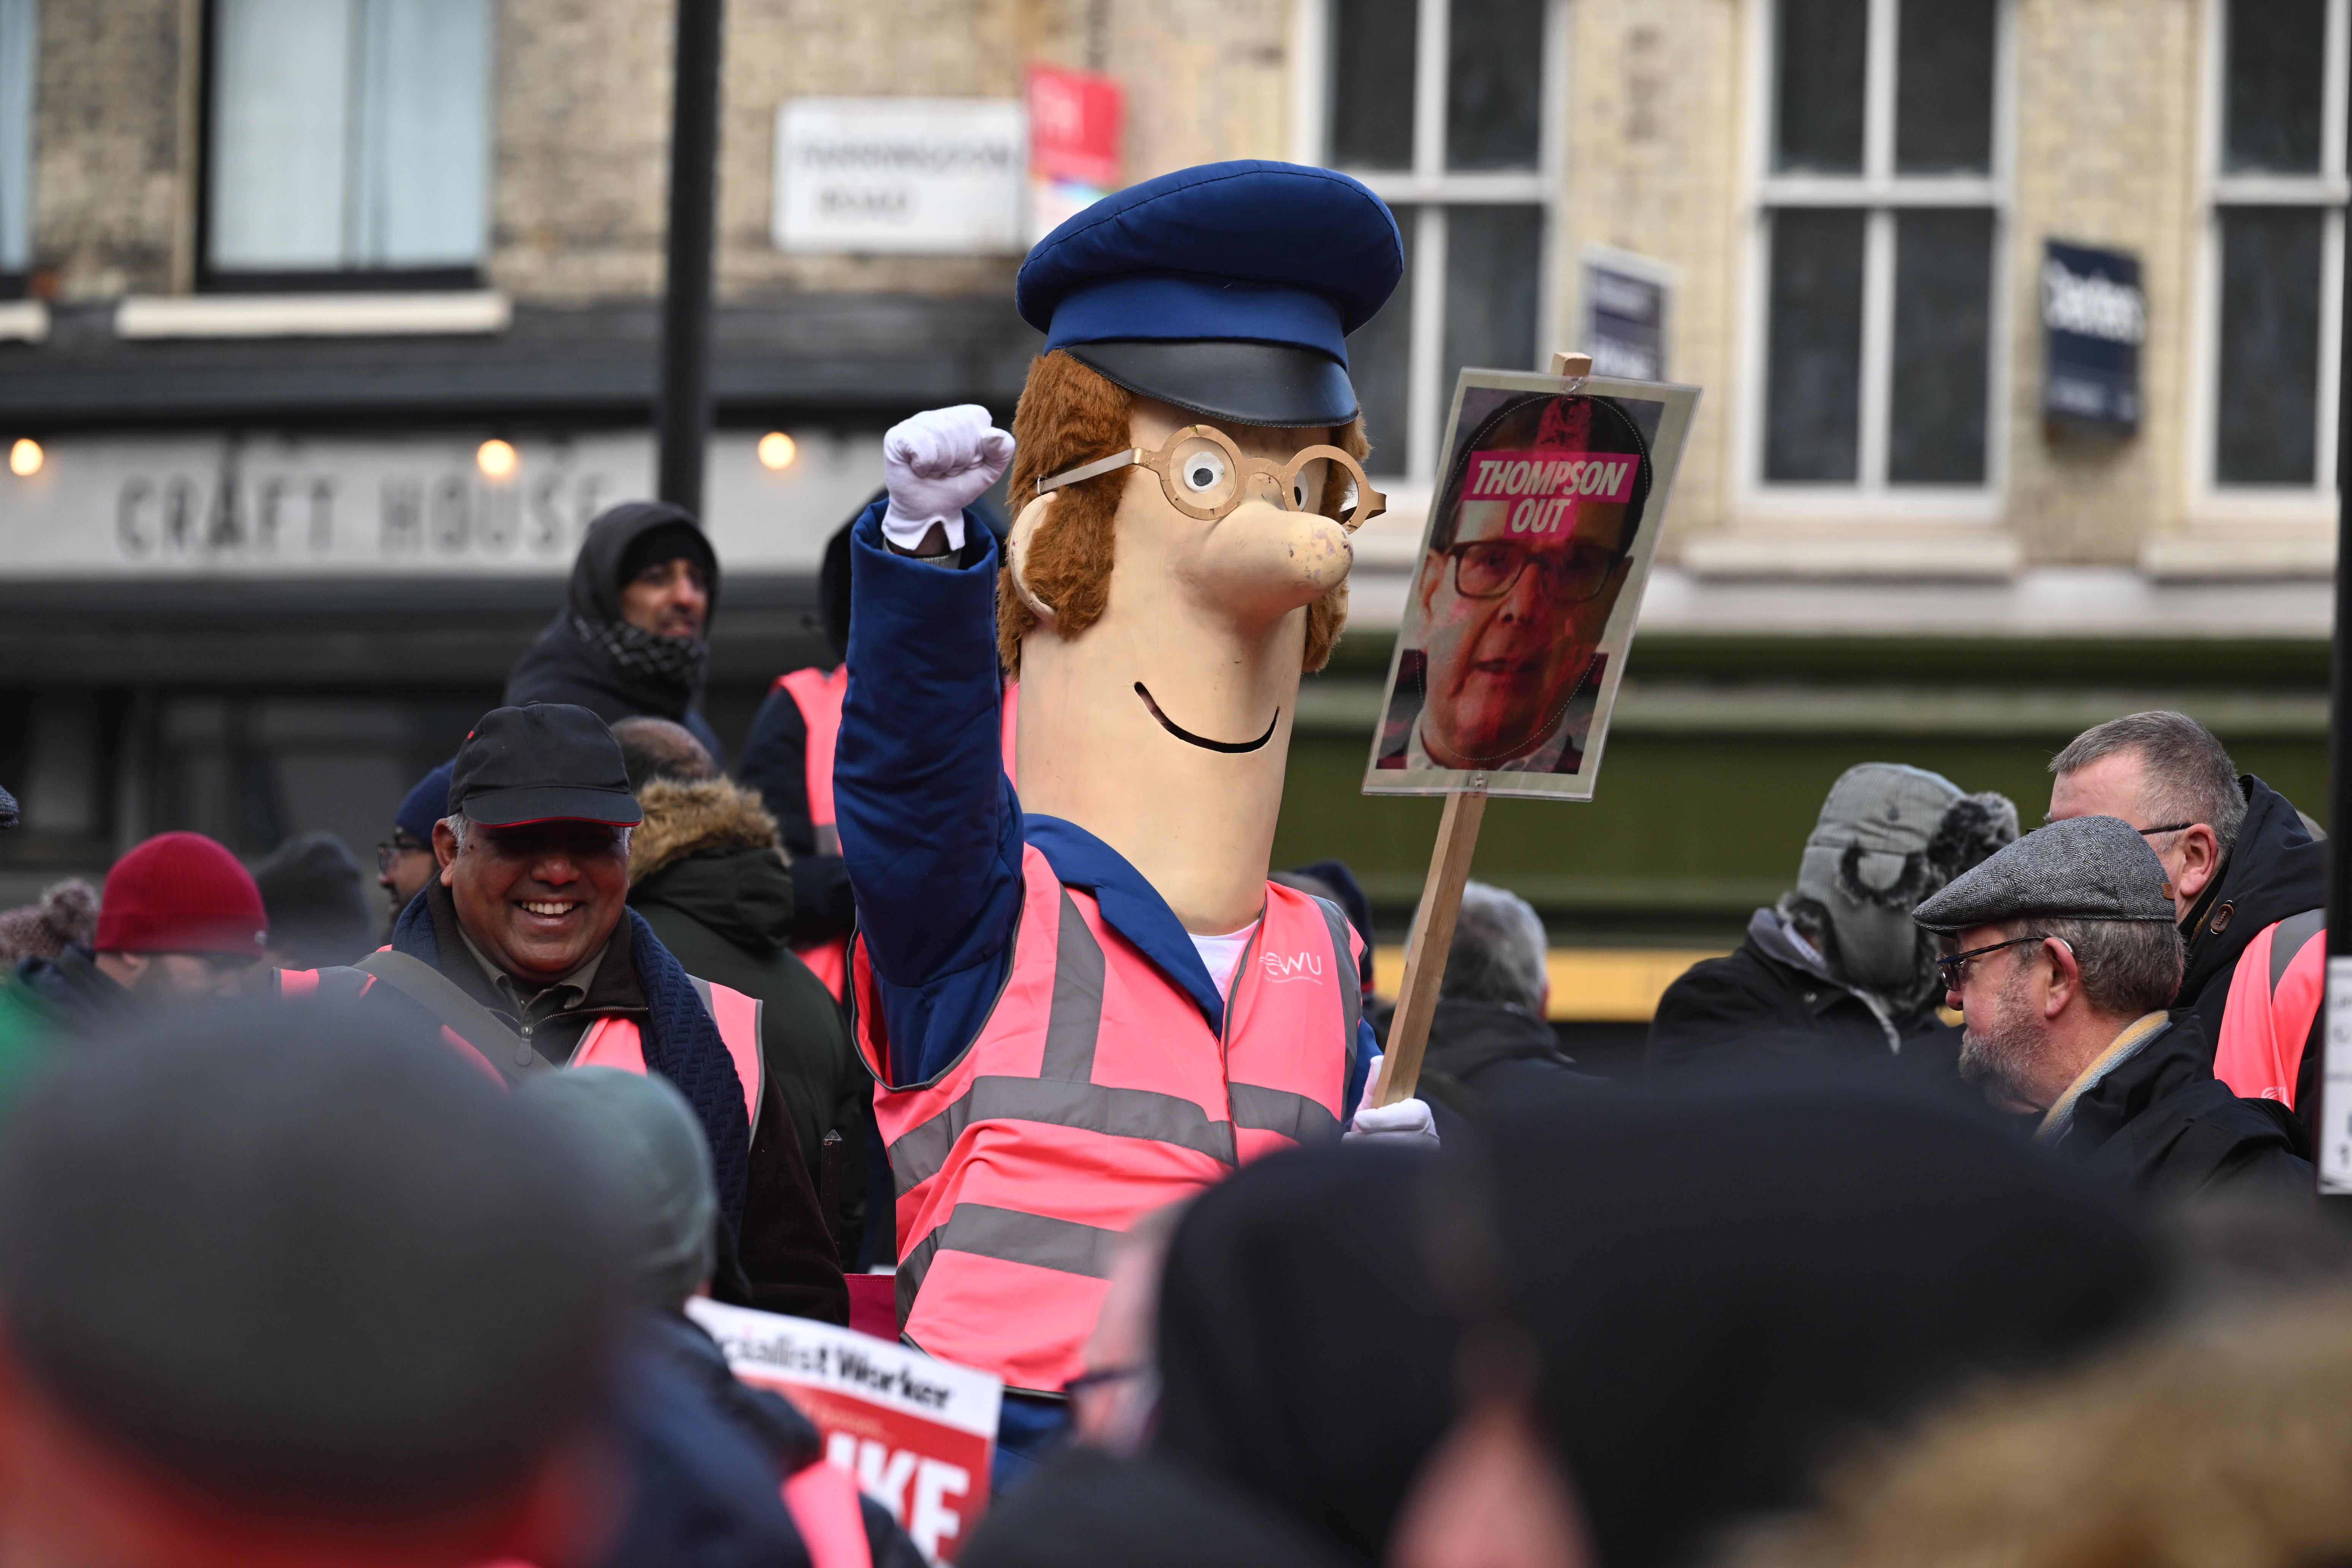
{"points": [[1966, 1212], [1965, 1209]]}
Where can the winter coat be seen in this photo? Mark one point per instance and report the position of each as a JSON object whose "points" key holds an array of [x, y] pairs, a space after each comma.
{"points": [[785, 1252], [2275, 869], [560, 666], [2224, 1441], [72, 994], [2158, 1125], [705, 873], [1767, 1001], [1482, 1054]]}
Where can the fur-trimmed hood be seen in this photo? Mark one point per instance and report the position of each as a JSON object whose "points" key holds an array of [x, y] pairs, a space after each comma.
{"points": [[2225, 1444], [693, 818]]}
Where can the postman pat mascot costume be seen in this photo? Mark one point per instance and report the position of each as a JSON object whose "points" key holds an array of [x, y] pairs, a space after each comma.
{"points": [[1083, 999]]}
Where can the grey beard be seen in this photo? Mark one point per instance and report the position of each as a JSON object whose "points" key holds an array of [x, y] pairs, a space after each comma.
{"points": [[2001, 1055]]}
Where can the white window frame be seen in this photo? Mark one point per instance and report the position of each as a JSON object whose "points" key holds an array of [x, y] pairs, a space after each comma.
{"points": [[1430, 188], [1883, 191], [2211, 501]]}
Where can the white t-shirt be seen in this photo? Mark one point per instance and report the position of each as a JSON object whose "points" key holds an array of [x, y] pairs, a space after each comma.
{"points": [[1222, 954]]}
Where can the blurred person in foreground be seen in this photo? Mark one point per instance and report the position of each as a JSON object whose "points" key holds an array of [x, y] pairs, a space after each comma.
{"points": [[2220, 1442], [404, 862], [1635, 1323], [2063, 954], [2248, 877], [319, 913], [642, 1135], [708, 874], [311, 1336], [180, 921], [526, 954], [635, 636], [1488, 1041], [1836, 970], [1731, 1282]]}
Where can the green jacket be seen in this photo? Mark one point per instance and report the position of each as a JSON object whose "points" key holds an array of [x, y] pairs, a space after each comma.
{"points": [[706, 872]]}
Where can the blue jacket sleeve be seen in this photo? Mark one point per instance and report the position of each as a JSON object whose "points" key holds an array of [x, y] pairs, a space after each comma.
{"points": [[930, 828]]}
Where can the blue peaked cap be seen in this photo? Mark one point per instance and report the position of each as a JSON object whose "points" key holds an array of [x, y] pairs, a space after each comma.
{"points": [[1249, 250]]}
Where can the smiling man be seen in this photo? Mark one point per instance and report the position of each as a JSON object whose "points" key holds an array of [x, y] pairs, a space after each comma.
{"points": [[1522, 573], [525, 951]]}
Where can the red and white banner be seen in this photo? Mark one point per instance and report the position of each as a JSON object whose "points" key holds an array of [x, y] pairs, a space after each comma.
{"points": [[1074, 129], [918, 1434]]}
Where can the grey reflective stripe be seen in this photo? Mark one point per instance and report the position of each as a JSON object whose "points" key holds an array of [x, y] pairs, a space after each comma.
{"points": [[985, 1231], [1344, 971], [2288, 940], [922, 1152], [1075, 1021], [1294, 1116]]}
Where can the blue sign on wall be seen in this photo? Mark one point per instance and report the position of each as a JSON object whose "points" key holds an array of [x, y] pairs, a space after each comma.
{"points": [[2093, 318]]}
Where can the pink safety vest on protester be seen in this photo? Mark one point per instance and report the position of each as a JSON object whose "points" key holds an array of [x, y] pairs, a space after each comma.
{"points": [[819, 695], [616, 1042], [2275, 995], [1094, 1093]]}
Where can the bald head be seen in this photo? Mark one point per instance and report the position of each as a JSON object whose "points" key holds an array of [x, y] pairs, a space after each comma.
{"points": [[657, 749]]}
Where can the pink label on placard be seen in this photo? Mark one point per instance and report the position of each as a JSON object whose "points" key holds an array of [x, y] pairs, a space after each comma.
{"points": [[1549, 476]]}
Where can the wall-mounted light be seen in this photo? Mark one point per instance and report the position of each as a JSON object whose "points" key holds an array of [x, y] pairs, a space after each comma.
{"points": [[25, 457], [777, 450], [495, 459]]}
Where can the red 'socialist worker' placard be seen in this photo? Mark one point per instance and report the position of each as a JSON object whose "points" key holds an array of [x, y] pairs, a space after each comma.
{"points": [[918, 1434]]}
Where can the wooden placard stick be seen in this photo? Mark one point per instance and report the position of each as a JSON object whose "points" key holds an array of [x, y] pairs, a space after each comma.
{"points": [[1426, 950]]}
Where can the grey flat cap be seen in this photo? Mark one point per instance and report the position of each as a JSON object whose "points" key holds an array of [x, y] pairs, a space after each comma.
{"points": [[2085, 868]]}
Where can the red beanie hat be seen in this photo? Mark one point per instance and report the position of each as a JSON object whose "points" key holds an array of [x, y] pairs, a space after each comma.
{"points": [[181, 892]]}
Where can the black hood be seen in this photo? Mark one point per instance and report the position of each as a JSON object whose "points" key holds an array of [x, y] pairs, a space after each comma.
{"points": [[596, 570], [2275, 869]]}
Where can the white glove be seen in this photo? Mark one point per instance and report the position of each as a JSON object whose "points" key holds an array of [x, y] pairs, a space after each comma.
{"points": [[936, 464], [1407, 1120]]}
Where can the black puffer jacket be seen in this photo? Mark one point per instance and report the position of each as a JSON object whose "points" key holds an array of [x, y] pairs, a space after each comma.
{"points": [[2275, 869], [563, 668], [2159, 1126], [1768, 1002]]}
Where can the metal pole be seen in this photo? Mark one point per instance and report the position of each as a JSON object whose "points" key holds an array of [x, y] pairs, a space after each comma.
{"points": [[683, 413], [2333, 1154]]}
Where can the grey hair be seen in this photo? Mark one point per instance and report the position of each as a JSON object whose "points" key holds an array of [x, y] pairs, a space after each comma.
{"points": [[457, 822], [2187, 775], [1498, 950], [2128, 967]]}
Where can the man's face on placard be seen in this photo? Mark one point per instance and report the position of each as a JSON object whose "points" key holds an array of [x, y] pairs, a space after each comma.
{"points": [[1505, 633]]}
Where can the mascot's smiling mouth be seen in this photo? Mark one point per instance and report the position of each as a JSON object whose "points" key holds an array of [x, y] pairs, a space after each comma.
{"points": [[1230, 747]]}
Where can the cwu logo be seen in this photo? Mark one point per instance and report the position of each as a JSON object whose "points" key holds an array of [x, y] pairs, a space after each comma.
{"points": [[1280, 970]]}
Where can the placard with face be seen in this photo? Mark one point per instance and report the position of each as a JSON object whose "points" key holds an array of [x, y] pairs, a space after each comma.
{"points": [[1532, 562]]}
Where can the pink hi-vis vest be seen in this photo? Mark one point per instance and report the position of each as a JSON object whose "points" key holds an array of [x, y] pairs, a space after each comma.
{"points": [[819, 697], [2275, 995], [615, 1042], [1096, 1093]]}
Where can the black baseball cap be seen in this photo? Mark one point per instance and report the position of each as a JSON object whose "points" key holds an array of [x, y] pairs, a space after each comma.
{"points": [[549, 762]]}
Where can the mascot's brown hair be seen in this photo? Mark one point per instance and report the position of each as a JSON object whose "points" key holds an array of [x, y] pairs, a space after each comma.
{"points": [[1070, 415]]}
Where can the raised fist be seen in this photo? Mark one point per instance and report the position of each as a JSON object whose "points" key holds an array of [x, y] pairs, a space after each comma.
{"points": [[936, 464]]}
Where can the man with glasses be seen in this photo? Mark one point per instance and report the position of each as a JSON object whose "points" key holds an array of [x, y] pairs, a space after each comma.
{"points": [[180, 921], [2062, 954], [1523, 571], [2247, 872], [403, 862]]}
